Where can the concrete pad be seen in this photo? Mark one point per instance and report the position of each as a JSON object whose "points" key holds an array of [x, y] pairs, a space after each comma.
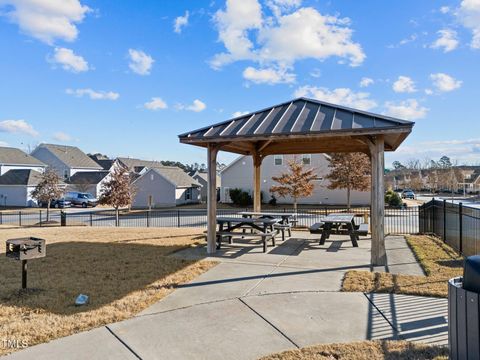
{"points": [[224, 281], [95, 344], [316, 318], [224, 330], [416, 318], [336, 254], [285, 279], [401, 259]]}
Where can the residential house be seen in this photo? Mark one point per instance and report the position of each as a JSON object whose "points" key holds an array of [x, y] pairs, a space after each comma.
{"points": [[165, 186], [138, 166], [102, 160], [13, 159], [202, 179], [88, 182], [239, 175], [16, 187], [65, 160]]}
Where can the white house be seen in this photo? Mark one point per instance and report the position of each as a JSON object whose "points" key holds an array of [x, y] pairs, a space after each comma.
{"points": [[65, 160], [17, 185], [239, 175], [88, 181], [13, 159], [165, 186], [202, 179]]}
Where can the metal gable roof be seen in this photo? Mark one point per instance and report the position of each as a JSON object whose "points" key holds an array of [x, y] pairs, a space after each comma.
{"points": [[299, 116]]}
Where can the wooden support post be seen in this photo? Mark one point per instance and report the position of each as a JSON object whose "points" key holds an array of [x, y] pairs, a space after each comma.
{"points": [[377, 215], [257, 186], [212, 199]]}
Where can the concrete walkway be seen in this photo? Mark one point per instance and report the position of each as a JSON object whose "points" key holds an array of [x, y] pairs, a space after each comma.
{"points": [[253, 304]]}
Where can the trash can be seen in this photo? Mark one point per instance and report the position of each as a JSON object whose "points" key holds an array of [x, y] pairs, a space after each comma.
{"points": [[63, 218], [463, 312]]}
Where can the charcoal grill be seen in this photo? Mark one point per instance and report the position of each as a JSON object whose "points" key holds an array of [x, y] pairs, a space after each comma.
{"points": [[24, 249]]}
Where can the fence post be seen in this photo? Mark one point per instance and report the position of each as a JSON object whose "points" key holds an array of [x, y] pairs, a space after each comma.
{"points": [[19, 218], [91, 218], [460, 227], [433, 219], [40, 217], [1, 218], [148, 218], [178, 218], [445, 221]]}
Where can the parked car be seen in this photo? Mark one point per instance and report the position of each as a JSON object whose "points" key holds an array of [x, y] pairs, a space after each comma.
{"points": [[408, 194], [81, 199], [57, 203]]}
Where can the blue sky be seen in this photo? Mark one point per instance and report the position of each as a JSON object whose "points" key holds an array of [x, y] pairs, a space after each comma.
{"points": [[126, 77]]}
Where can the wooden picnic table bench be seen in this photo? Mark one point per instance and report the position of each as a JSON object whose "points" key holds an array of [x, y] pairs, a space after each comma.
{"points": [[335, 221], [287, 220], [261, 227]]}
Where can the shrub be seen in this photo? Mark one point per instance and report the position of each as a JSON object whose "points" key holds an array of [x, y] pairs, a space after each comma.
{"points": [[392, 198], [273, 200], [240, 197]]}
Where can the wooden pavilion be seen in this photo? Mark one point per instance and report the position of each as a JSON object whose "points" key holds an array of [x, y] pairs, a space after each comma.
{"points": [[304, 126]]}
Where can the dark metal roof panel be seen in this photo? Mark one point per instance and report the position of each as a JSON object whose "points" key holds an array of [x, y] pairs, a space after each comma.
{"points": [[305, 119]]}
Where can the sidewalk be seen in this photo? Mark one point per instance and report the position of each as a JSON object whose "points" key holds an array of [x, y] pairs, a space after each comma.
{"points": [[253, 304]]}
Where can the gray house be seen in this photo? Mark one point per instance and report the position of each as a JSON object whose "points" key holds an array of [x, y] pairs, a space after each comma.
{"points": [[16, 186], [65, 160], [165, 186], [13, 159], [202, 179], [88, 181], [239, 175]]}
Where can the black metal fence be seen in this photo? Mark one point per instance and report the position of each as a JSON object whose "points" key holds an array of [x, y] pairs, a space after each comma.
{"points": [[456, 224], [397, 220]]}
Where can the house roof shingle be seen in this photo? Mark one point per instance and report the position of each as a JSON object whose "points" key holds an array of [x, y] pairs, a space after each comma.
{"points": [[21, 177], [88, 177], [13, 156], [176, 176], [72, 156], [132, 163]]}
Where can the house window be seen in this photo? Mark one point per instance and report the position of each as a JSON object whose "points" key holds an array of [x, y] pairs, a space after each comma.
{"points": [[152, 177], [226, 195], [278, 160], [188, 194], [65, 173], [306, 159]]}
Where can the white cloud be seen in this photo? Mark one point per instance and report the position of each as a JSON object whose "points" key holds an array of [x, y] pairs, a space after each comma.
{"points": [[409, 109], [340, 96], [445, 83], [240, 113], [405, 41], [140, 63], [3, 143], [268, 75], [279, 7], [444, 9], [155, 104], [196, 106], [469, 16], [94, 95], [46, 20], [428, 91], [68, 60], [284, 39], [316, 73], [62, 137], [17, 127], [447, 40], [404, 84], [365, 82], [180, 22]]}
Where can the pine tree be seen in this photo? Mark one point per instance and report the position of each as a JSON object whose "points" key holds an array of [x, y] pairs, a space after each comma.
{"points": [[296, 183], [350, 171]]}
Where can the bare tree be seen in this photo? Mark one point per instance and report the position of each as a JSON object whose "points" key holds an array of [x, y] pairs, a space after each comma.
{"points": [[49, 188], [118, 191], [296, 183], [350, 171]]}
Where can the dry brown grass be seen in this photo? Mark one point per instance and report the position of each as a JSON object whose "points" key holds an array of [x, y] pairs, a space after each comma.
{"points": [[365, 350], [123, 270], [438, 260]]}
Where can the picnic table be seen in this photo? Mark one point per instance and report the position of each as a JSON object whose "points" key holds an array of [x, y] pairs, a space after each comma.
{"points": [[332, 221], [285, 223], [261, 227]]}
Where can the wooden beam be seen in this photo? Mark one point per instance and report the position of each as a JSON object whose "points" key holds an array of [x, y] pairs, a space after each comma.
{"points": [[212, 198], [257, 181], [377, 212]]}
